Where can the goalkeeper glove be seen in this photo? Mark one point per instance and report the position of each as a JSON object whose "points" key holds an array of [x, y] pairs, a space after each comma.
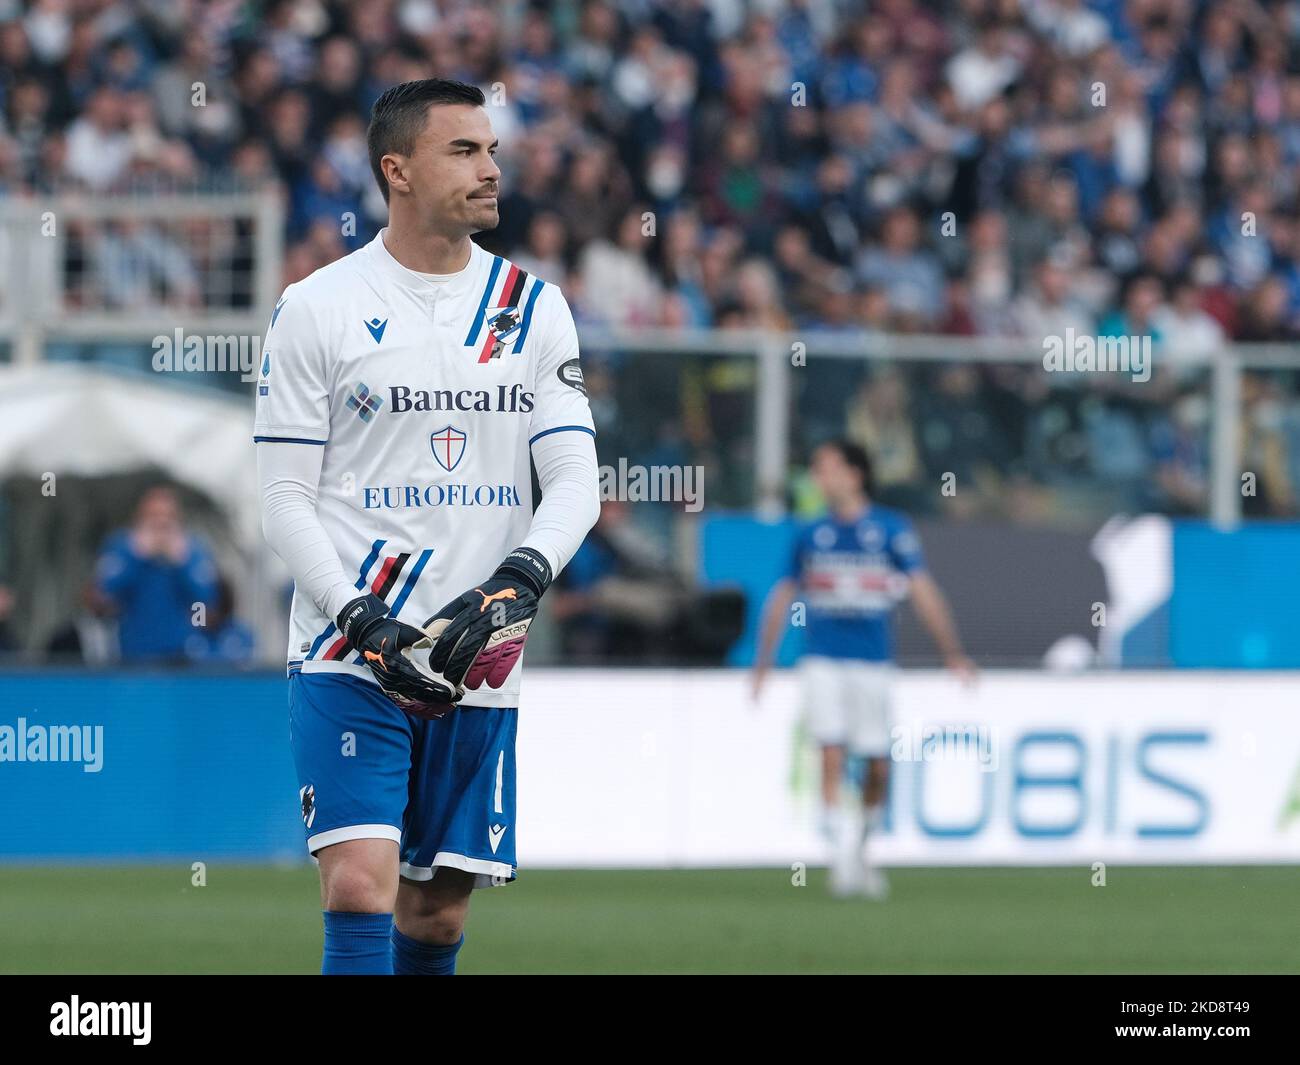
{"points": [[365, 624], [480, 635]]}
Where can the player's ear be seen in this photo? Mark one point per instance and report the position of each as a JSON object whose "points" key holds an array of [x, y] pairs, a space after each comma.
{"points": [[394, 168]]}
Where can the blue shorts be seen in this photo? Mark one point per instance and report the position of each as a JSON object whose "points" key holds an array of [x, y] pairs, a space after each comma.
{"points": [[443, 790]]}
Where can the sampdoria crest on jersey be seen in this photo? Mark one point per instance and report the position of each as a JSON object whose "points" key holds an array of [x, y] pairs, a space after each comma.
{"points": [[448, 445], [502, 323], [307, 795], [870, 536]]}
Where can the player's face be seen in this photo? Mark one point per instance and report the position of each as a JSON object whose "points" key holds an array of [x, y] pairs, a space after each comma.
{"points": [[452, 174], [837, 481]]}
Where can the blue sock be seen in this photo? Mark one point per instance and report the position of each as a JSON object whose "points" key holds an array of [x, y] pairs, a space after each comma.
{"points": [[413, 958], [357, 943]]}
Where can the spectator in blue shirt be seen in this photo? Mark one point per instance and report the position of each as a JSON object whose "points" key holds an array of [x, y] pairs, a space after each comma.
{"points": [[154, 573]]}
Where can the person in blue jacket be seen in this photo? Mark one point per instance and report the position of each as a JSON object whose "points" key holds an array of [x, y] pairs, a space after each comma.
{"points": [[156, 574]]}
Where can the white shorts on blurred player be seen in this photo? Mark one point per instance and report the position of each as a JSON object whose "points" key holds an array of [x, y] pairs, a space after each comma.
{"points": [[848, 703]]}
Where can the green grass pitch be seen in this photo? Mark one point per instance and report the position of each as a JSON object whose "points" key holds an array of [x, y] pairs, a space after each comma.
{"points": [[248, 919]]}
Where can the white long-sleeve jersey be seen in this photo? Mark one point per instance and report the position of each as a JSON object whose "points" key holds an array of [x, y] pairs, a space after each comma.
{"points": [[395, 419]]}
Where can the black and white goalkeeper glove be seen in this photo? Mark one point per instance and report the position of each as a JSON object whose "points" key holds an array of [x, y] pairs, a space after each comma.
{"points": [[480, 634], [384, 643]]}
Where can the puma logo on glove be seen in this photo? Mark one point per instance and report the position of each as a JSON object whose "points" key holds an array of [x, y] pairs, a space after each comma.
{"points": [[472, 645]]}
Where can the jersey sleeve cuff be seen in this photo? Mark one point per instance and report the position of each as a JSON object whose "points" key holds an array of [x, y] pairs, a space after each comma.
{"points": [[289, 434]]}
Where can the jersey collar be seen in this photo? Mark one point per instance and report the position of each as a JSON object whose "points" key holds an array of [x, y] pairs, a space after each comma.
{"points": [[399, 275]]}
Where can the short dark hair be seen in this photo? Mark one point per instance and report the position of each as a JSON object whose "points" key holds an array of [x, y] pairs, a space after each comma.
{"points": [[398, 117], [856, 456]]}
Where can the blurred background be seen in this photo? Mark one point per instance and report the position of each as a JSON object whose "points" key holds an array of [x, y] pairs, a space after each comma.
{"points": [[777, 222]]}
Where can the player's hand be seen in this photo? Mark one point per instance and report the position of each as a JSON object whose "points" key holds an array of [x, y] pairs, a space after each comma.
{"points": [[365, 624], [963, 668], [480, 634]]}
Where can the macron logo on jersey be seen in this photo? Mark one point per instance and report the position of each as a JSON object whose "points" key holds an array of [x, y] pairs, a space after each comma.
{"points": [[377, 328]]}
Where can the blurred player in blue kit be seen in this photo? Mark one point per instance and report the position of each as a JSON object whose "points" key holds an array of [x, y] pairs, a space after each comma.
{"points": [[849, 569], [404, 391]]}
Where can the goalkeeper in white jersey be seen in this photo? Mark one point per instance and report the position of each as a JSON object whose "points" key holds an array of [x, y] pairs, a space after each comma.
{"points": [[403, 392]]}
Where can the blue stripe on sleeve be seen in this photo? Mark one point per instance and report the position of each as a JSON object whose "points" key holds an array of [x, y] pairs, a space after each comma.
{"points": [[562, 429], [285, 440]]}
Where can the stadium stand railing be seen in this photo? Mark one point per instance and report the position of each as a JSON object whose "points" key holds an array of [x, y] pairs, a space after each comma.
{"points": [[90, 276]]}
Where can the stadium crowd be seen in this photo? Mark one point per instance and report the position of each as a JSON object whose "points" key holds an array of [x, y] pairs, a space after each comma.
{"points": [[974, 167]]}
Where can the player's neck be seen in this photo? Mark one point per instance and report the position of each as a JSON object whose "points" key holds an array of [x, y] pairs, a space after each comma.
{"points": [[851, 509], [427, 252]]}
